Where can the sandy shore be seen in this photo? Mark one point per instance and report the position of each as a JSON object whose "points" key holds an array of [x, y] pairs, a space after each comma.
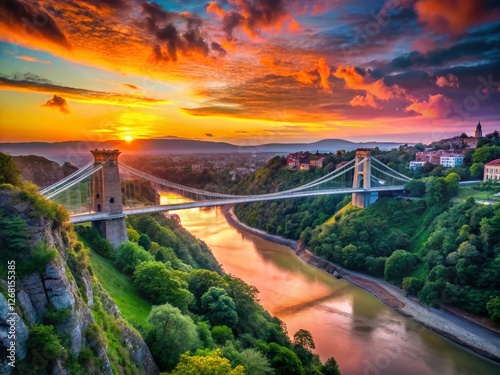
{"points": [[454, 327]]}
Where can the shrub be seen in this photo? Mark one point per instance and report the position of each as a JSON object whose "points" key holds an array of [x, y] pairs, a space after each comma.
{"points": [[54, 317], [43, 341], [221, 334], [129, 256], [94, 240]]}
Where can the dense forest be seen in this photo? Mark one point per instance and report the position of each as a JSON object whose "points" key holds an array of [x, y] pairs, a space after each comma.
{"points": [[440, 248], [194, 318]]}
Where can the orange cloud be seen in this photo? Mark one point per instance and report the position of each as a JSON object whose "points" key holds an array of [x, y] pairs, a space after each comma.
{"points": [[57, 102], [455, 16], [438, 106], [324, 74], [447, 81], [354, 80], [31, 83], [30, 21], [364, 101], [319, 76], [32, 59]]}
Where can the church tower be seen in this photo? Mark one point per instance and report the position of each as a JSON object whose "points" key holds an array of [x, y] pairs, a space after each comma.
{"points": [[479, 132]]}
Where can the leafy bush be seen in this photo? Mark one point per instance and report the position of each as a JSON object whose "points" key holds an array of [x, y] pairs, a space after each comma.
{"points": [[160, 285], [94, 240], [221, 334], [53, 317], [129, 256]]}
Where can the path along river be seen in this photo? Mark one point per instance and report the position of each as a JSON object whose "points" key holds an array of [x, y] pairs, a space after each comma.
{"points": [[365, 336]]}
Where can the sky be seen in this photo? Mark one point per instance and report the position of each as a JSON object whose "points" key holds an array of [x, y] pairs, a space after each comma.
{"points": [[248, 71]]}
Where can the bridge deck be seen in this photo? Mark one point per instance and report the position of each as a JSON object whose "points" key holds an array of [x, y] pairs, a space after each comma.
{"points": [[82, 218]]}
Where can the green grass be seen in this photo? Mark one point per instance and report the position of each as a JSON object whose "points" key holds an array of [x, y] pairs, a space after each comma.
{"points": [[134, 309], [473, 191]]}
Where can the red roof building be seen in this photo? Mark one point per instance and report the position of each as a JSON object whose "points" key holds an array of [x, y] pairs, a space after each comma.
{"points": [[492, 171]]}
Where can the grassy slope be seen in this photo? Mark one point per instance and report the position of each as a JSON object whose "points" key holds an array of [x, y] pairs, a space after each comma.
{"points": [[134, 309]]}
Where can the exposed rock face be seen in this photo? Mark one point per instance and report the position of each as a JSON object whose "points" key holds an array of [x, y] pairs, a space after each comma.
{"points": [[55, 288], [41, 171], [21, 335]]}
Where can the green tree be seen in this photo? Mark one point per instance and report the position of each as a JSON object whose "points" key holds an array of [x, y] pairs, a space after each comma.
{"points": [[493, 307], [222, 334], [419, 147], [304, 338], [486, 154], [255, 363], [416, 188], [220, 308], [144, 241], [477, 170], [129, 256], [171, 335], [452, 181], [283, 360], [44, 347], [435, 191], [399, 264], [159, 285], [331, 367], [206, 363], [9, 173]]}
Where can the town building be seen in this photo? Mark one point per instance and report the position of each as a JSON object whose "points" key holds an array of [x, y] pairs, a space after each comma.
{"points": [[304, 161], [416, 164], [451, 161], [492, 171], [479, 132]]}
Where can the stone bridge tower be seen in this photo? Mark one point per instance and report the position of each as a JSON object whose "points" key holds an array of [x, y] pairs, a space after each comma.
{"points": [[107, 197], [362, 179]]}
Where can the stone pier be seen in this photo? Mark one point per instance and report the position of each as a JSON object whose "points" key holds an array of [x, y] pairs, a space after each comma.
{"points": [[362, 179], [107, 196]]}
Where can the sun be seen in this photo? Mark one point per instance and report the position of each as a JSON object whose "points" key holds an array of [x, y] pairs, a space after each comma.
{"points": [[129, 138]]}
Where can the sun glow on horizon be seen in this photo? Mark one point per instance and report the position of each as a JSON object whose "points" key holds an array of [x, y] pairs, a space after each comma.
{"points": [[128, 138]]}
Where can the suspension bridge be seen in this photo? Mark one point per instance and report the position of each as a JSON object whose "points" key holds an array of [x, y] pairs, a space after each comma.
{"points": [[100, 191]]}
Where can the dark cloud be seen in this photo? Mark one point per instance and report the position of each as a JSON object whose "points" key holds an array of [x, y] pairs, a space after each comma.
{"points": [[130, 86], [30, 77], [32, 21], [476, 46], [456, 16], [251, 15], [45, 86], [111, 4], [218, 48], [209, 134], [57, 102], [176, 33]]}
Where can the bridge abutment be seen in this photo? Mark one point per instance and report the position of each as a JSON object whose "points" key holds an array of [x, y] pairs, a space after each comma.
{"points": [[362, 179], [107, 196]]}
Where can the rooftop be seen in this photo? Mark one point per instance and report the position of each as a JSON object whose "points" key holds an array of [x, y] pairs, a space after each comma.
{"points": [[494, 162]]}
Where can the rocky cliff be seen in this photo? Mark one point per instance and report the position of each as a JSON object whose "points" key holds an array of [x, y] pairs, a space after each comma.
{"points": [[55, 287], [41, 171]]}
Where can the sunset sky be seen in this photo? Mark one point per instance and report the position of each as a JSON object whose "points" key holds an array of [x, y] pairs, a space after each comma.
{"points": [[248, 71]]}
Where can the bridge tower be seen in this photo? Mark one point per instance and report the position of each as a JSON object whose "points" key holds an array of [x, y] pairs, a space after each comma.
{"points": [[362, 179], [107, 197]]}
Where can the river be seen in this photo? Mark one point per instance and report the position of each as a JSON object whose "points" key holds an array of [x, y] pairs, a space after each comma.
{"points": [[365, 336]]}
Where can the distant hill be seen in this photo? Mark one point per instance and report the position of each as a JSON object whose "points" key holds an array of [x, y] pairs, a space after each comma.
{"points": [[77, 152]]}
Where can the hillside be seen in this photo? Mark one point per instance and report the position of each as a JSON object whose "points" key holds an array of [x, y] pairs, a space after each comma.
{"points": [[433, 245], [66, 321]]}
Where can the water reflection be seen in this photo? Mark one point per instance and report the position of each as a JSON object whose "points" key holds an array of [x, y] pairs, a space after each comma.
{"points": [[364, 335]]}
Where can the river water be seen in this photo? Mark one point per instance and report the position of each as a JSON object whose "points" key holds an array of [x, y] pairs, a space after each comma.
{"points": [[365, 336]]}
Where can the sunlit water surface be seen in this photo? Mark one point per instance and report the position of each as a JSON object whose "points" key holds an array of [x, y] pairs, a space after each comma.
{"points": [[364, 335]]}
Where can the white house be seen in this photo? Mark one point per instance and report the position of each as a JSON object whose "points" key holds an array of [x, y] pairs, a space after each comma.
{"points": [[451, 161]]}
